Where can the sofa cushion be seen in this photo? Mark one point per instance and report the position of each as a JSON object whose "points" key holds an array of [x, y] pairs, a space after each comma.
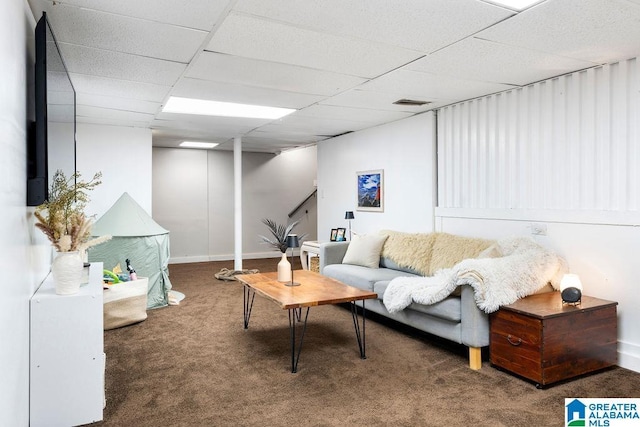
{"points": [[409, 251], [449, 308], [364, 250], [449, 249], [389, 263], [360, 277]]}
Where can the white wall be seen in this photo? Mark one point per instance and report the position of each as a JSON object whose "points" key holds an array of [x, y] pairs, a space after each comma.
{"points": [[180, 200], [405, 151], [193, 198], [479, 167], [605, 257], [123, 155], [563, 153], [568, 143], [23, 251]]}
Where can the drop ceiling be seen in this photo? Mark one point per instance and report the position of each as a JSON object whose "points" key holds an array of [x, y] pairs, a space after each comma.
{"points": [[340, 64]]}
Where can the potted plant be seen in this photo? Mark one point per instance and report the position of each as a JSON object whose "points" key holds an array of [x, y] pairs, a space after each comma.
{"points": [[279, 242], [62, 219]]}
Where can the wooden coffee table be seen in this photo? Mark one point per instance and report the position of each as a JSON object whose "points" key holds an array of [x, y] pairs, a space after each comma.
{"points": [[314, 290]]}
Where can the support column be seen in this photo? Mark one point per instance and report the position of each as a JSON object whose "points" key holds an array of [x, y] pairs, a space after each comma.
{"points": [[237, 202]]}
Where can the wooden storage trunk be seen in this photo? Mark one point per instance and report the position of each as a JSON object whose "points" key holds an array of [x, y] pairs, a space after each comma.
{"points": [[545, 341]]}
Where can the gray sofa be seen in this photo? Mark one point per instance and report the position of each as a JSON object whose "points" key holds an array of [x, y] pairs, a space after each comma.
{"points": [[457, 318]]}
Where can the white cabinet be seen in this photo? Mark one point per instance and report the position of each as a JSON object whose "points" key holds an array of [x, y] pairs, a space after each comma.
{"points": [[67, 354]]}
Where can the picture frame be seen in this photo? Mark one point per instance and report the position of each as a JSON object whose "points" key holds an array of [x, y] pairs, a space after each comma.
{"points": [[334, 234], [370, 190], [341, 235]]}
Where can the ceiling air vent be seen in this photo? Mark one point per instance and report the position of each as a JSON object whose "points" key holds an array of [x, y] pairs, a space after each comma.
{"points": [[411, 102]]}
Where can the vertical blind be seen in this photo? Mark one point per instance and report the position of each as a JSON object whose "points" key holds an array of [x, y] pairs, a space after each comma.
{"points": [[568, 143]]}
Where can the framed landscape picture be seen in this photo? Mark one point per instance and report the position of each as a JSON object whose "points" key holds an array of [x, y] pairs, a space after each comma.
{"points": [[371, 190]]}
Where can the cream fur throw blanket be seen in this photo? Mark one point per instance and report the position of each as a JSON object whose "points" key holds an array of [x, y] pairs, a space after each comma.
{"points": [[524, 268]]}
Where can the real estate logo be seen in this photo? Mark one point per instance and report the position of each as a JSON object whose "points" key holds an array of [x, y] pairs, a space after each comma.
{"points": [[609, 412]]}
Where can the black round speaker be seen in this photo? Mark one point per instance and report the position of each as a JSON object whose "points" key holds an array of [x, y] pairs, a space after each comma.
{"points": [[571, 295]]}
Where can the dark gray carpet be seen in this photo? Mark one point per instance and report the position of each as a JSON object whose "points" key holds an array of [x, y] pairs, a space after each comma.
{"points": [[195, 365]]}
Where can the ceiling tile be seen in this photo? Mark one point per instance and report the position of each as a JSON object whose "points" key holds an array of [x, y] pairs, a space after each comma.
{"points": [[363, 115], [107, 113], [232, 126], [200, 14], [205, 133], [172, 137], [116, 103], [590, 30], [226, 92], [263, 144], [251, 37], [124, 66], [383, 101], [244, 71], [119, 33], [112, 122], [420, 25], [483, 60], [88, 84], [426, 85], [312, 126], [341, 64], [290, 137]]}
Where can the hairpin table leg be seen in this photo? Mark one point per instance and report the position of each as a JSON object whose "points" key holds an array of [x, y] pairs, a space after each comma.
{"points": [[248, 297], [294, 315], [360, 333]]}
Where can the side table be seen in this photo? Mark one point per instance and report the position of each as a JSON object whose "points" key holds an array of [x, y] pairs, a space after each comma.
{"points": [[308, 248], [543, 340]]}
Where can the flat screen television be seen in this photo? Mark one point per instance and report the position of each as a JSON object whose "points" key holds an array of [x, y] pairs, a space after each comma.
{"points": [[52, 138]]}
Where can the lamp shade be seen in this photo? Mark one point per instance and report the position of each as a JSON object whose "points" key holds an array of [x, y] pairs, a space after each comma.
{"points": [[348, 215], [571, 288], [292, 241], [570, 281]]}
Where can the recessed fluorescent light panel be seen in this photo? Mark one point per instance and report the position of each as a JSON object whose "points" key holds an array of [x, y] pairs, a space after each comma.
{"points": [[225, 109], [515, 4], [194, 144]]}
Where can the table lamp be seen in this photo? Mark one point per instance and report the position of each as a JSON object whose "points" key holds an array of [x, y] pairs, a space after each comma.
{"points": [[349, 215], [571, 289], [292, 242]]}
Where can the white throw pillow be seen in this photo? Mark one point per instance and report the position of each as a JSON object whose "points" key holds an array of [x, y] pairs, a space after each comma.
{"points": [[364, 250]]}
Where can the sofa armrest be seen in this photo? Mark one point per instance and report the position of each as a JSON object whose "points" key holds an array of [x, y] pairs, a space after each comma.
{"points": [[474, 322], [332, 253]]}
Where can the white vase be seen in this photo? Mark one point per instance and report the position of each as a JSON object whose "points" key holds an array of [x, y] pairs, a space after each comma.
{"points": [[66, 270], [284, 269]]}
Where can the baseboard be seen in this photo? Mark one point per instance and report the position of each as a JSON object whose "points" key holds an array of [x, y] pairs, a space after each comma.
{"points": [[229, 257], [186, 260], [629, 356]]}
